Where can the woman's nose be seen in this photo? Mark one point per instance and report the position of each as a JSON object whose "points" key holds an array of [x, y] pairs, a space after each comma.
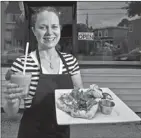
{"points": [[49, 30]]}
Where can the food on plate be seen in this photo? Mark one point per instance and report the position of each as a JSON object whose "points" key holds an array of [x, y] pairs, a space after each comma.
{"points": [[80, 103]]}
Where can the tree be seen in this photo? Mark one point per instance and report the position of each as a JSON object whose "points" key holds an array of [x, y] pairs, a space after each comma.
{"points": [[123, 23], [134, 8], [82, 27]]}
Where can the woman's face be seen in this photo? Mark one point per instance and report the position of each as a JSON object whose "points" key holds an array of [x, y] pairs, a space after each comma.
{"points": [[47, 30]]}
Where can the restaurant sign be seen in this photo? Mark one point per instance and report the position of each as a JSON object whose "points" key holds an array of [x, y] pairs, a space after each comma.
{"points": [[85, 36]]}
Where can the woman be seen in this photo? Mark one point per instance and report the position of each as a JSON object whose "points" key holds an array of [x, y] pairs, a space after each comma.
{"points": [[50, 70]]}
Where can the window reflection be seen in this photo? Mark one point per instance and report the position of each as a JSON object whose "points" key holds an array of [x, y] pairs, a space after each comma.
{"points": [[116, 37], [109, 34], [13, 33]]}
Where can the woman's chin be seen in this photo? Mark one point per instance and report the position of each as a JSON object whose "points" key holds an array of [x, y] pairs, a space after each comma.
{"points": [[48, 46]]}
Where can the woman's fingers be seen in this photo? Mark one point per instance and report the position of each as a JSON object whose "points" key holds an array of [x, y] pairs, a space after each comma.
{"points": [[14, 90], [14, 96], [12, 101], [12, 85], [8, 74]]}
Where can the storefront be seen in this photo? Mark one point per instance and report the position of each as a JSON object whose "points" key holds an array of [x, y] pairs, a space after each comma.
{"points": [[80, 35], [105, 53]]}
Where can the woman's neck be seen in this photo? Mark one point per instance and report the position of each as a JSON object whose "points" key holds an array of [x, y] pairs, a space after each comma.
{"points": [[48, 53]]}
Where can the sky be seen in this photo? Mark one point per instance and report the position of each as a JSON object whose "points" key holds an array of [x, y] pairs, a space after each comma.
{"points": [[104, 13]]}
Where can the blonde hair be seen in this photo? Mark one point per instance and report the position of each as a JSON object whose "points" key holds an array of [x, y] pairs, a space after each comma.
{"points": [[42, 9]]}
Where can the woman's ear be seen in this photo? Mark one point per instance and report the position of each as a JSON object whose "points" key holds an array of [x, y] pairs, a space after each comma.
{"points": [[33, 30]]}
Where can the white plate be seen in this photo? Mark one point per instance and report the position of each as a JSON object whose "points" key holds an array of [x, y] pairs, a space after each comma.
{"points": [[120, 113]]}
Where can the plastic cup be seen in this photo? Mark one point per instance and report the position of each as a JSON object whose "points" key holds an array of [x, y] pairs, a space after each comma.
{"points": [[23, 81], [106, 106]]}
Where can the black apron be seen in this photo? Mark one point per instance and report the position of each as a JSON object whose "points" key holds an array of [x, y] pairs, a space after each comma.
{"points": [[39, 121]]}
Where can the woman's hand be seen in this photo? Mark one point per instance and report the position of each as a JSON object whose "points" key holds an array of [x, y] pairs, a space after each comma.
{"points": [[13, 93], [12, 99]]}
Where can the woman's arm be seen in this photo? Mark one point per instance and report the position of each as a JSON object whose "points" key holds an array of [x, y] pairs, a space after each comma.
{"points": [[77, 80]]}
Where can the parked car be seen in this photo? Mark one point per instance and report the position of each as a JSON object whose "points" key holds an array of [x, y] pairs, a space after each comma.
{"points": [[10, 55], [133, 55]]}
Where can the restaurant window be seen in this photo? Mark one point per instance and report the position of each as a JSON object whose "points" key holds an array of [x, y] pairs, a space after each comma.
{"points": [[106, 33], [19, 42], [12, 17], [99, 33], [95, 34], [111, 44], [8, 41], [8, 17], [12, 46], [137, 42], [130, 28], [8, 30]]}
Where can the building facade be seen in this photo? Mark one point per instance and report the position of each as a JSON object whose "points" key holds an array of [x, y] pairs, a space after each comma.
{"points": [[134, 34], [96, 60]]}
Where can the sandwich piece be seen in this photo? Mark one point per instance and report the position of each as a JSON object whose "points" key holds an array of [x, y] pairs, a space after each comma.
{"points": [[80, 103]]}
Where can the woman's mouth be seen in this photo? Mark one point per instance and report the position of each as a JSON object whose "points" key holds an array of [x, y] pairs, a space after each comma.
{"points": [[49, 38]]}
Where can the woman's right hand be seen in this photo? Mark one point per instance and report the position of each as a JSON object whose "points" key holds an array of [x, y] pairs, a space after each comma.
{"points": [[12, 96], [13, 93]]}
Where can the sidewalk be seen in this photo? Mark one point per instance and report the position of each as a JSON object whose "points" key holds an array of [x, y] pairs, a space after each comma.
{"points": [[9, 129]]}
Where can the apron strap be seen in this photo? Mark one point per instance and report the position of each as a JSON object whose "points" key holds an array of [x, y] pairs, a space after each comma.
{"points": [[38, 58], [62, 58]]}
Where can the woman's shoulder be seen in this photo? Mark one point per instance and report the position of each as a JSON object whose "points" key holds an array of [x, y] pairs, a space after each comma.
{"points": [[22, 58], [68, 55], [19, 62], [70, 59]]}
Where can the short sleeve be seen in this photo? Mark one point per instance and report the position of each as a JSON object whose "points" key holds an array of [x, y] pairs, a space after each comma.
{"points": [[17, 65], [74, 68]]}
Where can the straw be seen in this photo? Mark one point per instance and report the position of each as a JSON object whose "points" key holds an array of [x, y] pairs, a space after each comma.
{"points": [[26, 53]]}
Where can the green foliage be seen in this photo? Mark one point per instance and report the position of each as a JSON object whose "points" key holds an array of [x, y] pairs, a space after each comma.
{"points": [[134, 8], [123, 22]]}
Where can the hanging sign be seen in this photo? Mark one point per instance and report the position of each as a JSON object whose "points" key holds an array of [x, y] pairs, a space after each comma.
{"points": [[85, 36]]}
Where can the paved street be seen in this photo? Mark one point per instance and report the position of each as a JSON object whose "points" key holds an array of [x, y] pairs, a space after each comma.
{"points": [[132, 130]]}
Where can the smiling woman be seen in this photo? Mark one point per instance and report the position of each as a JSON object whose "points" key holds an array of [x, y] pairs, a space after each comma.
{"points": [[46, 30], [51, 69]]}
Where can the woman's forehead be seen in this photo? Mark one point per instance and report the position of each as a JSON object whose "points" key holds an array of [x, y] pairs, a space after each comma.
{"points": [[46, 16]]}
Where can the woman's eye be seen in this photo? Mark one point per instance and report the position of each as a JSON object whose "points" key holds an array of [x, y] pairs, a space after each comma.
{"points": [[42, 27], [55, 26]]}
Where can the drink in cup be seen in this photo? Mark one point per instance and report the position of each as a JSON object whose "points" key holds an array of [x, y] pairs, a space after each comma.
{"points": [[23, 81]]}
